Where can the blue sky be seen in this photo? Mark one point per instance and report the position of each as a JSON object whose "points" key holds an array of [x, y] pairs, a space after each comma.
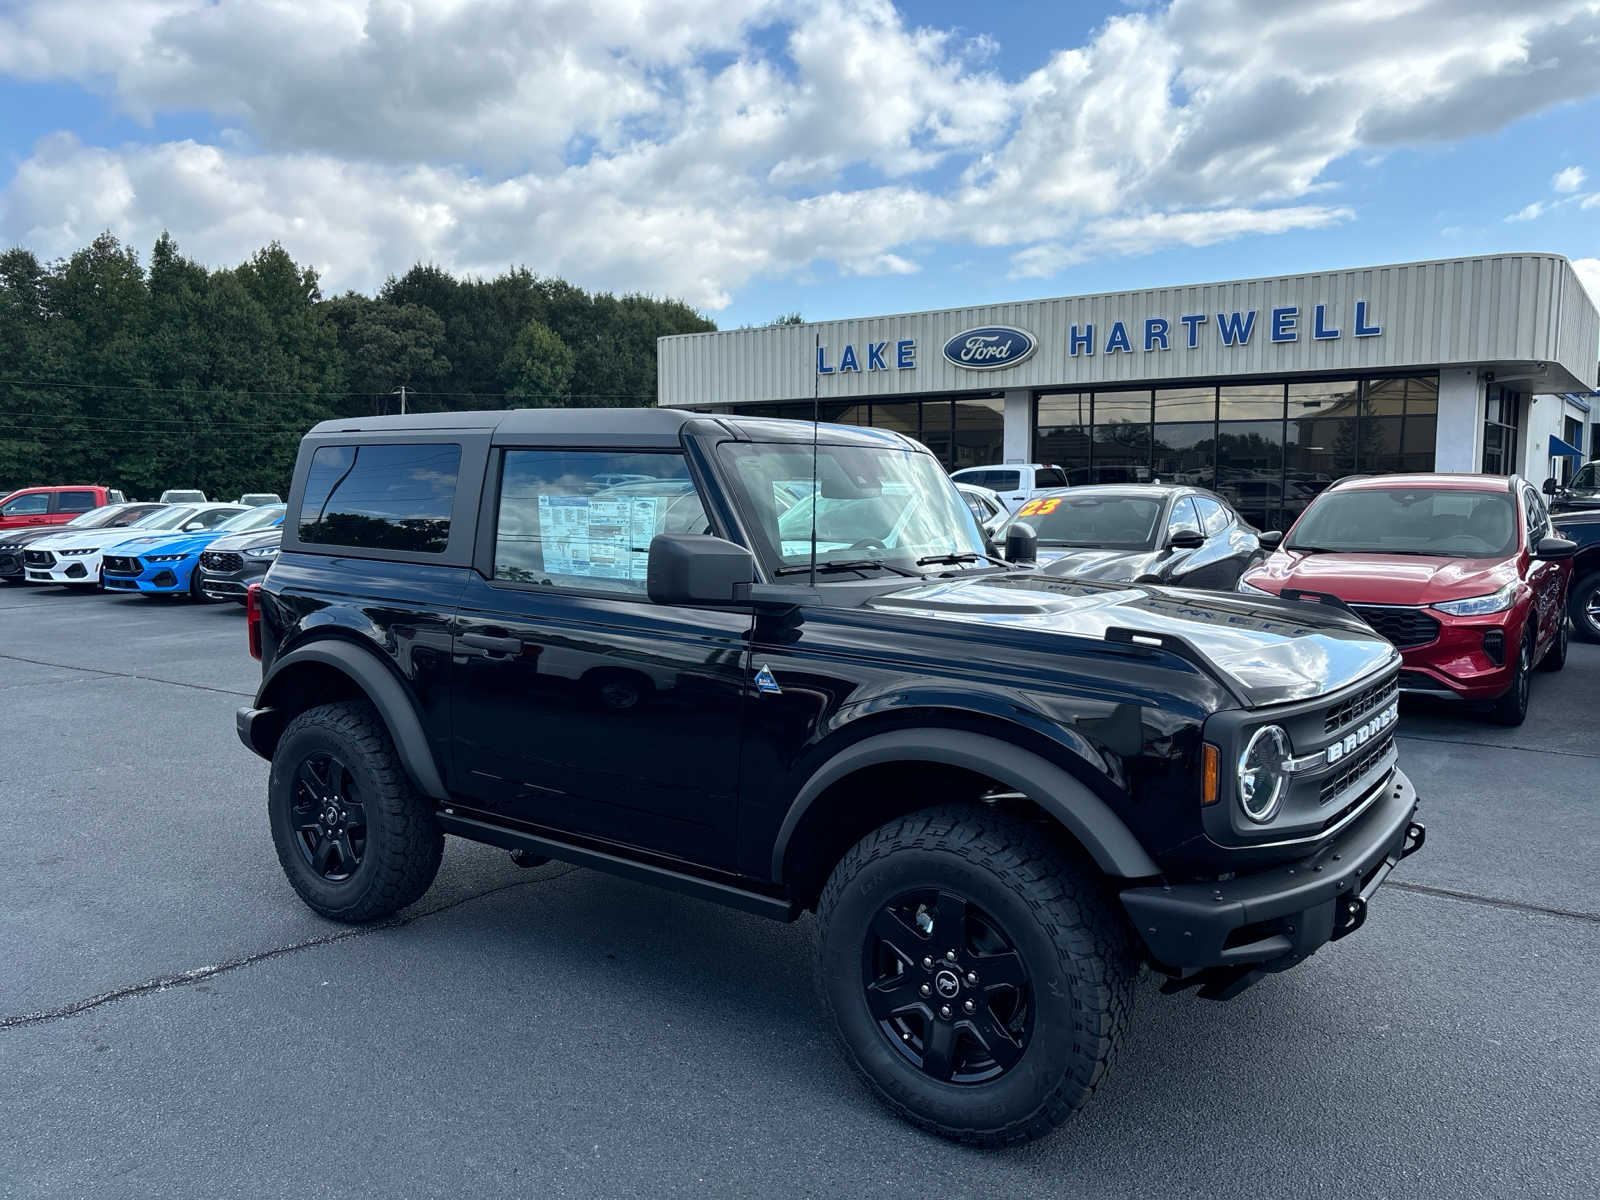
{"points": [[835, 157]]}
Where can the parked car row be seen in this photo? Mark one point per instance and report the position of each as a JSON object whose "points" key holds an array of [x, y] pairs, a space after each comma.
{"points": [[149, 548], [61, 504]]}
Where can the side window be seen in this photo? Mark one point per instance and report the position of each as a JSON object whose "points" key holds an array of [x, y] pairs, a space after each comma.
{"points": [[74, 502], [210, 520], [32, 505], [1213, 516], [1183, 518], [1538, 520], [584, 518], [1049, 477], [1003, 481], [384, 497]]}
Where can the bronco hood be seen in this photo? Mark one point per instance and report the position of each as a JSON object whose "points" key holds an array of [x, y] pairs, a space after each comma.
{"points": [[1271, 651]]}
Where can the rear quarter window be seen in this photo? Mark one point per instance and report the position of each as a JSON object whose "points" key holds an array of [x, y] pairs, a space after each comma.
{"points": [[381, 497]]}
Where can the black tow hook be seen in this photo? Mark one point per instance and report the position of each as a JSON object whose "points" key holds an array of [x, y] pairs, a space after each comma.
{"points": [[1349, 915], [527, 858], [1416, 834]]}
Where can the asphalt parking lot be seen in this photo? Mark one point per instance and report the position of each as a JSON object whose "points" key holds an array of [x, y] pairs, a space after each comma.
{"points": [[173, 1022]]}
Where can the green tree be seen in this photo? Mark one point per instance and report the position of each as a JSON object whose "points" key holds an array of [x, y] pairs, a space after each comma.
{"points": [[538, 368]]}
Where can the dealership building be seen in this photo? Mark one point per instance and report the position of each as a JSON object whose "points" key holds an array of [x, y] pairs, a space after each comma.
{"points": [[1263, 389]]}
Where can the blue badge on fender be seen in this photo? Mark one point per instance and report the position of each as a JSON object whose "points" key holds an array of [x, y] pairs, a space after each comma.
{"points": [[765, 682]]}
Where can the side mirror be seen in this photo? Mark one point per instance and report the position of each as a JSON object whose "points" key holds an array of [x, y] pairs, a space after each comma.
{"points": [[695, 568], [194, 526], [1549, 486], [1554, 549], [1271, 539], [1022, 543], [1187, 539]]}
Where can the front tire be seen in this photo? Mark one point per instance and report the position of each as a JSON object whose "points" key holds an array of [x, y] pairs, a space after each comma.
{"points": [[1556, 656], [1012, 1027], [1583, 606], [354, 836], [1512, 708]]}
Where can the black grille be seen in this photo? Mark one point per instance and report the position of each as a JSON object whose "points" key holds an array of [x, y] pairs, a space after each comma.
{"points": [[1404, 627], [116, 564], [221, 560], [39, 558], [1359, 705], [1360, 763]]}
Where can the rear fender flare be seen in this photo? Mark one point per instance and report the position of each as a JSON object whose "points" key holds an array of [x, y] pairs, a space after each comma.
{"points": [[387, 695], [1085, 815]]}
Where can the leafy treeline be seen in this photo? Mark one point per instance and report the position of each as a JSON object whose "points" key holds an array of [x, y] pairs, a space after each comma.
{"points": [[180, 376]]}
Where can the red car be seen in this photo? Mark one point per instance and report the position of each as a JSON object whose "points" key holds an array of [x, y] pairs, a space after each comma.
{"points": [[1462, 573], [53, 505]]}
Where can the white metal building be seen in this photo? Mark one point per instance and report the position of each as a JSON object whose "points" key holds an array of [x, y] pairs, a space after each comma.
{"points": [[1265, 389]]}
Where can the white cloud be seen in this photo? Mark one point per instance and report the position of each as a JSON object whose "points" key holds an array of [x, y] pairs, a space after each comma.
{"points": [[1588, 270], [688, 146], [1569, 179], [1528, 212]]}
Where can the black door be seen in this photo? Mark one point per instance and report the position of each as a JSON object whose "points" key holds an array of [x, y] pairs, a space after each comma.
{"points": [[578, 704]]}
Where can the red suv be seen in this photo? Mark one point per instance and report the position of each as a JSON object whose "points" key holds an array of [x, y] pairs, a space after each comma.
{"points": [[53, 505], [1462, 573]]}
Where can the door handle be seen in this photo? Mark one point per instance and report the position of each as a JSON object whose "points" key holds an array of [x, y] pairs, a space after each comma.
{"points": [[493, 644]]}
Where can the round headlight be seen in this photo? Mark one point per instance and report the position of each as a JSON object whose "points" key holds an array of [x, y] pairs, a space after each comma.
{"points": [[1264, 774]]}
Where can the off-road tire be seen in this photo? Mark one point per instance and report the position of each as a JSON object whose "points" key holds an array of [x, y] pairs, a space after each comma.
{"points": [[404, 842], [1076, 947], [1556, 656], [1585, 591]]}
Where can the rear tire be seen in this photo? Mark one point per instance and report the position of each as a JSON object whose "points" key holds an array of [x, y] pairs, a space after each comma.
{"points": [[1053, 962], [1583, 606], [354, 836], [1512, 708]]}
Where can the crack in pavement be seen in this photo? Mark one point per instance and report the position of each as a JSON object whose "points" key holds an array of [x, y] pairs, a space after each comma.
{"points": [[1541, 910], [199, 687], [162, 982], [1447, 741]]}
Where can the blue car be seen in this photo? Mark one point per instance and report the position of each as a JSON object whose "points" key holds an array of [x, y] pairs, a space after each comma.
{"points": [[164, 564]]}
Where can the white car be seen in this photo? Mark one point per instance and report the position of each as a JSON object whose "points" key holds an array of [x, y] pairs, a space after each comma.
{"points": [[1014, 483], [72, 559], [986, 506]]}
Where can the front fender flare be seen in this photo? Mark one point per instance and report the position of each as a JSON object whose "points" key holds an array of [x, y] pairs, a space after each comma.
{"points": [[1087, 817], [385, 692]]}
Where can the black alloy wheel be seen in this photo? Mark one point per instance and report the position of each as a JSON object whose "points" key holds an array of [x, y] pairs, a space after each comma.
{"points": [[1583, 607], [329, 820], [1512, 708], [947, 987], [1555, 655]]}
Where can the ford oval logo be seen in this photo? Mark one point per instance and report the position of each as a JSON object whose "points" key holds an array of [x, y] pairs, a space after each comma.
{"points": [[990, 347]]}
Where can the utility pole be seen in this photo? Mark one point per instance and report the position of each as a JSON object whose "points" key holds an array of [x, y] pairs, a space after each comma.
{"points": [[401, 392]]}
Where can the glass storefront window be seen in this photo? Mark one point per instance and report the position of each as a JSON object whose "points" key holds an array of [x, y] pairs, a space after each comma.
{"points": [[1121, 452], [1502, 408], [1250, 470], [1186, 404], [1185, 452], [1061, 433], [980, 432], [936, 435], [1249, 401]]}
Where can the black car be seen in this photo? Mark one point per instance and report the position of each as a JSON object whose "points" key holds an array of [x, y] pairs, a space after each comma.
{"points": [[1581, 495], [231, 564], [1000, 792], [1141, 533], [109, 516], [1583, 593]]}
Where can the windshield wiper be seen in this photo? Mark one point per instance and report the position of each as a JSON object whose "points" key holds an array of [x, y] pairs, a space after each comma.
{"points": [[846, 564], [953, 558]]}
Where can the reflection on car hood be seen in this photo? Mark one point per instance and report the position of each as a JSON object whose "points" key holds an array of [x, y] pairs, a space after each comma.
{"points": [[164, 543], [248, 541], [1090, 563], [88, 539], [1272, 651], [1386, 578]]}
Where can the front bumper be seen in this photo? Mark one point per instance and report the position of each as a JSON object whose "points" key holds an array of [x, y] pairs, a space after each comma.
{"points": [[1458, 664], [155, 578], [1271, 920], [77, 569], [233, 585]]}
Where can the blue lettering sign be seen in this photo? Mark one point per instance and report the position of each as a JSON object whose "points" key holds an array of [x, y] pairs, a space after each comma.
{"points": [[847, 360], [1194, 321], [1362, 328], [875, 356], [1235, 328], [1320, 330], [1080, 341], [905, 355], [1155, 330], [1119, 340], [822, 361], [1283, 325]]}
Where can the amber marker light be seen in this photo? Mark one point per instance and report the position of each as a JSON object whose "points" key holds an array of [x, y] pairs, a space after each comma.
{"points": [[1208, 773]]}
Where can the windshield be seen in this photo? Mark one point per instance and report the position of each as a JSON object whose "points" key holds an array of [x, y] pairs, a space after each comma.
{"points": [[1431, 521], [1119, 522], [255, 518], [877, 504], [165, 518], [1584, 479], [96, 517]]}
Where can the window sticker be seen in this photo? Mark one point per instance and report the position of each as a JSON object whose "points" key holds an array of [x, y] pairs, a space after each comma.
{"points": [[598, 539], [1038, 508]]}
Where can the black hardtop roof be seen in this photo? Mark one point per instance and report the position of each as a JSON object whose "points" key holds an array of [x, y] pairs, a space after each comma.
{"points": [[630, 426]]}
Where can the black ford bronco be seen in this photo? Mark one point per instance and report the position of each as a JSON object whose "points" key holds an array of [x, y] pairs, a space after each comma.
{"points": [[777, 668]]}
